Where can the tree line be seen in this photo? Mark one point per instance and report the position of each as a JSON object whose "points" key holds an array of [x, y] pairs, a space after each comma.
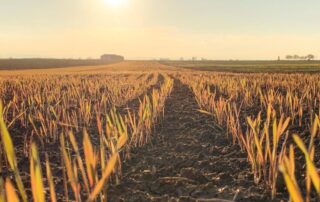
{"points": [[297, 57]]}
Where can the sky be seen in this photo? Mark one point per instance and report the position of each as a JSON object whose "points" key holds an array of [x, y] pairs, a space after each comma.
{"points": [[147, 29]]}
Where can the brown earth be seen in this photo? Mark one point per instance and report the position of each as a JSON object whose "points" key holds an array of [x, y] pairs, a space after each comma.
{"points": [[189, 159]]}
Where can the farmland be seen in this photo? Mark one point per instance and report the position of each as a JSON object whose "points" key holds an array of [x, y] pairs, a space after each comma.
{"points": [[252, 66], [175, 131], [39, 63]]}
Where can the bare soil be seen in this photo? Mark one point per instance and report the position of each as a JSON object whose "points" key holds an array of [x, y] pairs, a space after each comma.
{"points": [[189, 159]]}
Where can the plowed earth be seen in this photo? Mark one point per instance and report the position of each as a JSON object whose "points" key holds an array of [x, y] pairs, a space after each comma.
{"points": [[189, 159]]}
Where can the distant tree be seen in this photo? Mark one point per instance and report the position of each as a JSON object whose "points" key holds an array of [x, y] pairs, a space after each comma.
{"points": [[289, 57], [310, 57], [296, 57]]}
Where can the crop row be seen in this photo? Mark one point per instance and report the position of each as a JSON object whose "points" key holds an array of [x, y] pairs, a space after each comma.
{"points": [[72, 132], [263, 113]]}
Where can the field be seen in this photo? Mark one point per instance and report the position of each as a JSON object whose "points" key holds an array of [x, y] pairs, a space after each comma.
{"points": [[175, 131], [36, 63], [250, 66]]}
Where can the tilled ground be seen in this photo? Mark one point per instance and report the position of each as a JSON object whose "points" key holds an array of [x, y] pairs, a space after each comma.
{"points": [[189, 159]]}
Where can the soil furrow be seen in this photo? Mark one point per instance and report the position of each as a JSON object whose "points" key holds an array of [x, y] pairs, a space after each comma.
{"points": [[188, 160]]}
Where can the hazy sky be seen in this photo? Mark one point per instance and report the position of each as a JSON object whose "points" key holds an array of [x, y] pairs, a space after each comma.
{"points": [[214, 29]]}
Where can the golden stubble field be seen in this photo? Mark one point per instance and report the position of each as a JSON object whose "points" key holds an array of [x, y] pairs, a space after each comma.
{"points": [[144, 131]]}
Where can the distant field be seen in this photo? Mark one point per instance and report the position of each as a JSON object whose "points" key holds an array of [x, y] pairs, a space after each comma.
{"points": [[249, 66], [119, 68], [219, 66], [35, 63]]}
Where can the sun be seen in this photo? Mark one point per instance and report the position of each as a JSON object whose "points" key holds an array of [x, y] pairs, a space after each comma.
{"points": [[115, 3]]}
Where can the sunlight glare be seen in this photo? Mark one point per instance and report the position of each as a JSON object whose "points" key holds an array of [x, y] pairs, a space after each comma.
{"points": [[115, 3]]}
